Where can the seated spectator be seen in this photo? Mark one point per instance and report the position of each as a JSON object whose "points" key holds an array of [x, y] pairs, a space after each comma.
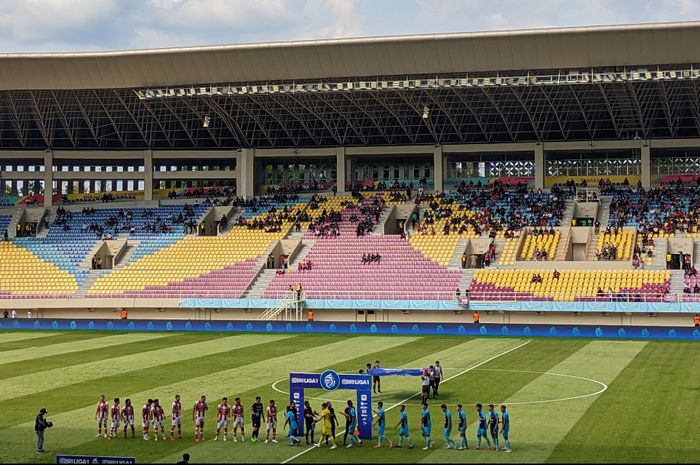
{"points": [[686, 287], [556, 274]]}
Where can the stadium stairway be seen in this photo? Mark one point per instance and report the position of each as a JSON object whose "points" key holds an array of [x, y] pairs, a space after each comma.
{"points": [[12, 228], [129, 250], [379, 227], [257, 288], [696, 253], [456, 260], [465, 281], [604, 210], [569, 207], [658, 261], [564, 242], [677, 279], [592, 246]]}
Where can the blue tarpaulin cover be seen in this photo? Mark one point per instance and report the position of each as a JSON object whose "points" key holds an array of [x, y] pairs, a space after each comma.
{"points": [[395, 371]]}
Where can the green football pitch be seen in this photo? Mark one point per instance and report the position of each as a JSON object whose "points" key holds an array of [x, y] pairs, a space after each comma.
{"points": [[570, 400]]}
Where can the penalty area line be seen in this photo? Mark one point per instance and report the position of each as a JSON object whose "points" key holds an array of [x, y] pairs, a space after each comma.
{"points": [[467, 370]]}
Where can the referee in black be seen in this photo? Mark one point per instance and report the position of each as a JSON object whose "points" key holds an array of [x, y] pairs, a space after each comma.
{"points": [[40, 424]]}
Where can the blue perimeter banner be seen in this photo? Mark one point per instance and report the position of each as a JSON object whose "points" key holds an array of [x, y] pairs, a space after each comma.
{"points": [[420, 329], [331, 381], [93, 459]]}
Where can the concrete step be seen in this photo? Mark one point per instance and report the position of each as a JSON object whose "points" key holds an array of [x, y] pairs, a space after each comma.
{"points": [[302, 252], [12, 227], [677, 279], [131, 247], [260, 284], [456, 260]]}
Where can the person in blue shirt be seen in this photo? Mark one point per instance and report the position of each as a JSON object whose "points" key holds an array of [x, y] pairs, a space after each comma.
{"points": [[426, 425], [462, 427], [493, 426], [350, 415], [505, 426], [381, 426], [291, 420], [403, 427], [481, 427], [447, 431]]}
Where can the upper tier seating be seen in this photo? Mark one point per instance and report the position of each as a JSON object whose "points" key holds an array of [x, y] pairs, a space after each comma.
{"points": [[213, 266], [666, 209], [5, 221], [571, 285], [74, 233]]}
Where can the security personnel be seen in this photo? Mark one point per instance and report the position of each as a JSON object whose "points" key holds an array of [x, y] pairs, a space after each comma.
{"points": [[475, 315], [40, 424], [124, 314], [696, 320], [311, 315]]}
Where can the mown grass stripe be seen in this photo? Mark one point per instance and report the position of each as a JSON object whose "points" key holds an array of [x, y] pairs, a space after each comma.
{"points": [[651, 408], [78, 424], [20, 336], [76, 346], [49, 339], [101, 354], [52, 379]]}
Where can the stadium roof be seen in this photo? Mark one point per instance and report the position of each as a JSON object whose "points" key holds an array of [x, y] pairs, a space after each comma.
{"points": [[509, 86], [530, 49]]}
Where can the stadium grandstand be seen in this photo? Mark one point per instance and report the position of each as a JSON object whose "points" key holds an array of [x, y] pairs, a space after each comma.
{"points": [[393, 179]]}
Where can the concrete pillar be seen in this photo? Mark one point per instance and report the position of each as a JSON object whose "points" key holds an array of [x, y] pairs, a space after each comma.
{"points": [[539, 166], [645, 166], [147, 175], [245, 180], [438, 168], [340, 169], [48, 178]]}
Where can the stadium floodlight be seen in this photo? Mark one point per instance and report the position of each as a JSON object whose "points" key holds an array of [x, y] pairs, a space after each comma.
{"points": [[181, 92], [426, 112], [207, 120], [191, 92], [140, 95]]}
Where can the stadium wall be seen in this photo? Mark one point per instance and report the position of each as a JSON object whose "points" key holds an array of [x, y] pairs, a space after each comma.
{"points": [[365, 316]]}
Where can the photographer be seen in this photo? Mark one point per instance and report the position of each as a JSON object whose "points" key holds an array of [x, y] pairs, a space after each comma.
{"points": [[39, 426]]}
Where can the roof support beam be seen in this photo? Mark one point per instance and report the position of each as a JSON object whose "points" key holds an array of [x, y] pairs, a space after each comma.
{"points": [[199, 115], [640, 114], [477, 118], [64, 120], [498, 110], [535, 127], [88, 122], [109, 117], [182, 124], [131, 115], [610, 110], [583, 112], [230, 123], [293, 114], [40, 120], [17, 122], [159, 123]]}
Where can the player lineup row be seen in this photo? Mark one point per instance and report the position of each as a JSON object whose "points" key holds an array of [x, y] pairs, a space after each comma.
{"points": [[153, 416], [489, 423]]}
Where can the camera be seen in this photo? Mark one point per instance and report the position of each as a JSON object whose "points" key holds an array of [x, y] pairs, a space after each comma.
{"points": [[49, 424]]}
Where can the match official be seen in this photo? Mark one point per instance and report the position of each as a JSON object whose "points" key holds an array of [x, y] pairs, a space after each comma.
{"points": [[39, 426]]}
